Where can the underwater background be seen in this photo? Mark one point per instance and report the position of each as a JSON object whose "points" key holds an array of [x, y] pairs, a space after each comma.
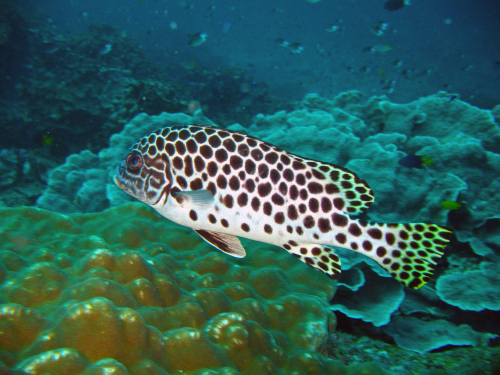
{"points": [[91, 281]]}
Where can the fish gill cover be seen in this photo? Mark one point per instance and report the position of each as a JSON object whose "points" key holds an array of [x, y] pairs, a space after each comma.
{"points": [[92, 282]]}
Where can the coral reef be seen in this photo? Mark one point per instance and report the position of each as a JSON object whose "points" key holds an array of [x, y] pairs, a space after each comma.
{"points": [[124, 290], [369, 138], [421, 336]]}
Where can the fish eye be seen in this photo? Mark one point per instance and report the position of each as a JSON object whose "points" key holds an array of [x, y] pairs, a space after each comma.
{"points": [[134, 161]]}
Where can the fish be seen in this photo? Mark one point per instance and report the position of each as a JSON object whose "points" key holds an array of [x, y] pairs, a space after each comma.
{"points": [[189, 64], [296, 47], [225, 184], [379, 28], [197, 39], [106, 49], [282, 42], [451, 205], [381, 48], [395, 4], [415, 161], [397, 63], [333, 28]]}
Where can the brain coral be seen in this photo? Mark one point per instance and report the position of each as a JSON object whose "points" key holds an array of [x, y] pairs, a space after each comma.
{"points": [[126, 292]]}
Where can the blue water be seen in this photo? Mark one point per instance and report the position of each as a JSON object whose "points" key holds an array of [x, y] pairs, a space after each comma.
{"points": [[448, 45]]}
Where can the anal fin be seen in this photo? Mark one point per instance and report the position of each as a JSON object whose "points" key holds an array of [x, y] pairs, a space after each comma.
{"points": [[226, 243], [319, 257]]}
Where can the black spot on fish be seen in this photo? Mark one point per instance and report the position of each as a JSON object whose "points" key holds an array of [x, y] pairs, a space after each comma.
{"points": [[196, 184], [192, 215], [229, 145], [214, 141], [279, 218], [271, 157], [191, 146], [206, 151], [256, 154], [199, 163], [267, 208], [234, 183], [221, 155], [255, 204], [264, 189]]}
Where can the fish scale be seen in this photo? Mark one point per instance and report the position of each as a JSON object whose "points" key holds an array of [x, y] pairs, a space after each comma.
{"points": [[225, 184]]}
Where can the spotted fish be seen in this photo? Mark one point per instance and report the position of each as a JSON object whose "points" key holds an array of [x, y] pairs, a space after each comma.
{"points": [[225, 185]]}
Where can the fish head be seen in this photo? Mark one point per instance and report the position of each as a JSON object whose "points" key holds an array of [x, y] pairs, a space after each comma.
{"points": [[144, 173]]}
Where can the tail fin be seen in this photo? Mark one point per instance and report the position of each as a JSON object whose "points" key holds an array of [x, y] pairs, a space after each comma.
{"points": [[412, 251]]}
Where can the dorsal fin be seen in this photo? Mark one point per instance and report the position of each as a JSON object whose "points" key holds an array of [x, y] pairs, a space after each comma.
{"points": [[349, 193], [355, 192], [226, 243]]}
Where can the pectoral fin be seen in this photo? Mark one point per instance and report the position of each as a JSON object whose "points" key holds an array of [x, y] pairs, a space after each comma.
{"points": [[197, 199], [224, 242]]}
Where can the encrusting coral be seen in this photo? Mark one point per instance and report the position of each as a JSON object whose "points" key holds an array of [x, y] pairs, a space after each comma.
{"points": [[127, 291]]}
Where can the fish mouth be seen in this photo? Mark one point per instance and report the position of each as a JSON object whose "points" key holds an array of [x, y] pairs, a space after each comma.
{"points": [[130, 189], [119, 183]]}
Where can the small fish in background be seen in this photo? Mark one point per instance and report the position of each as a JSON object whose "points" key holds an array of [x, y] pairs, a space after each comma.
{"points": [[497, 62], [416, 161], [106, 49], [379, 48], [388, 85], [189, 65], [47, 140], [296, 47], [333, 28], [397, 63], [282, 42], [393, 5], [379, 28], [197, 39], [409, 73], [451, 205]]}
